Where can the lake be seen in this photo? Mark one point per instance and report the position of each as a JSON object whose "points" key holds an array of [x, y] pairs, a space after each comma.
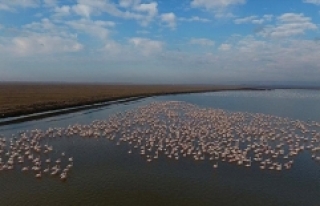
{"points": [[104, 173]]}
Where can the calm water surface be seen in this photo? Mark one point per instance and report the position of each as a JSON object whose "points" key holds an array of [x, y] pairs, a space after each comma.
{"points": [[104, 174]]}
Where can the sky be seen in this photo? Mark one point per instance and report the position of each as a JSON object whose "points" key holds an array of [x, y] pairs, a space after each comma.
{"points": [[160, 41]]}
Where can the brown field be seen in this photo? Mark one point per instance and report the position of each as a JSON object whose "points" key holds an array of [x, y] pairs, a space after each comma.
{"points": [[21, 99]]}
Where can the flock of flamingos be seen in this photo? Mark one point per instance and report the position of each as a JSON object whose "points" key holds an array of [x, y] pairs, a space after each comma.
{"points": [[174, 130]]}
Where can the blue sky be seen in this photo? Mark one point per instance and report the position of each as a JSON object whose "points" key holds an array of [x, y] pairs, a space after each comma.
{"points": [[150, 41]]}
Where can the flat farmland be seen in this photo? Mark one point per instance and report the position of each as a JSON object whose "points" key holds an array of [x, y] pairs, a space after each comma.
{"points": [[22, 99]]}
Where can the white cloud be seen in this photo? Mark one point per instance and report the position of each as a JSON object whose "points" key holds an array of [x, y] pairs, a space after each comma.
{"points": [[82, 10], [257, 21], [213, 4], [112, 48], [219, 7], [40, 44], [62, 11], [293, 17], [202, 42], [289, 24], [11, 5], [316, 2], [194, 19], [125, 3], [250, 44], [144, 13], [245, 20], [253, 19], [150, 8], [128, 3], [225, 47], [43, 25], [86, 8], [146, 46], [5, 7], [50, 3], [95, 28], [250, 58], [268, 17], [238, 56], [46, 26], [39, 38], [136, 49], [169, 19], [282, 58]]}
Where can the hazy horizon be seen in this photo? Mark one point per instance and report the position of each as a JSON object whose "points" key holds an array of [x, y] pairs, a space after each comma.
{"points": [[230, 83], [160, 42]]}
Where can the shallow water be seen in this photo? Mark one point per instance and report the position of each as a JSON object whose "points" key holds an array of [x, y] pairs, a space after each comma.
{"points": [[104, 174]]}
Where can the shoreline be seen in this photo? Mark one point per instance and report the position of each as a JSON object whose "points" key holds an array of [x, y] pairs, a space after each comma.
{"points": [[56, 112], [60, 109]]}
